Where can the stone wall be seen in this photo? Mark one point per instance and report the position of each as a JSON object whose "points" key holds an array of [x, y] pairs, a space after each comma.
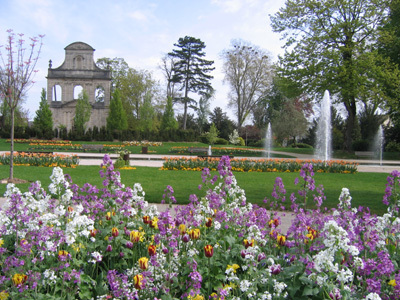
{"points": [[78, 70]]}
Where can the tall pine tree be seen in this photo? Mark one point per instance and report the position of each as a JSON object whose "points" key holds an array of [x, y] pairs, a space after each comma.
{"points": [[191, 71], [43, 121]]}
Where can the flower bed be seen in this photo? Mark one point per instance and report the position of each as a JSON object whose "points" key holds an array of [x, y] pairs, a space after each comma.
{"points": [[29, 141], [106, 243], [142, 143], [69, 147], [221, 151], [40, 160], [258, 165]]}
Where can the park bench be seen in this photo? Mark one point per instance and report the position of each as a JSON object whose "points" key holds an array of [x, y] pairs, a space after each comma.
{"points": [[92, 147], [364, 153], [197, 150]]}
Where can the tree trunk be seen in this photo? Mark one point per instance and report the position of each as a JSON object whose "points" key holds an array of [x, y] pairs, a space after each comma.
{"points": [[12, 145], [185, 115], [350, 125]]}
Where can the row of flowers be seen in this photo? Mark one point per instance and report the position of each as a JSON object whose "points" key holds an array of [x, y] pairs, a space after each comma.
{"points": [[232, 151], [86, 242], [28, 141], [40, 160], [258, 165], [142, 143], [69, 147]]}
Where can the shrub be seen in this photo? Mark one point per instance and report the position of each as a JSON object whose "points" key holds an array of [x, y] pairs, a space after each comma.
{"points": [[302, 145], [392, 146], [361, 145], [241, 141], [221, 141]]}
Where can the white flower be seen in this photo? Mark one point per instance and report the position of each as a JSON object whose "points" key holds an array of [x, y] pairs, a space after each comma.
{"points": [[193, 252], [345, 275], [217, 225], [279, 287], [345, 199], [97, 257], [358, 262], [50, 276], [372, 296], [266, 296], [244, 285]]}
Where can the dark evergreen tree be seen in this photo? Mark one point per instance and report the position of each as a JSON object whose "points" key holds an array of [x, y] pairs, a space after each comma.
{"points": [[43, 121], [190, 71], [221, 121]]}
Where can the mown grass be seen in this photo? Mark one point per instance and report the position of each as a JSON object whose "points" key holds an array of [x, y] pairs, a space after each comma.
{"points": [[366, 189]]}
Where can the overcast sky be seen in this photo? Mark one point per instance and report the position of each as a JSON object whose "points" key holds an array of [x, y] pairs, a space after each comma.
{"points": [[139, 31]]}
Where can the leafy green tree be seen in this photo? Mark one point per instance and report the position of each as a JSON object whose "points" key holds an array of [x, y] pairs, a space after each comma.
{"points": [[83, 111], [147, 120], [331, 45], [212, 134], [248, 71], [118, 67], [290, 122], [168, 121], [390, 48], [43, 121], [134, 88], [190, 71], [117, 120]]}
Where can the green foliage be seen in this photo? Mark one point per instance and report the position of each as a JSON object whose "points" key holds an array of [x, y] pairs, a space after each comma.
{"points": [[221, 141], [168, 121], [302, 145], [289, 123], [147, 121], [337, 52], [212, 135], [117, 120], [191, 70], [241, 141], [83, 111], [43, 121], [224, 125], [393, 146]]}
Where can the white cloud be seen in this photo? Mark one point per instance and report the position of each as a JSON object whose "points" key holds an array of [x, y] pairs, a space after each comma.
{"points": [[138, 15]]}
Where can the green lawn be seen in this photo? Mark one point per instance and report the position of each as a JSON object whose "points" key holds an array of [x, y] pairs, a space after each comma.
{"points": [[366, 189]]}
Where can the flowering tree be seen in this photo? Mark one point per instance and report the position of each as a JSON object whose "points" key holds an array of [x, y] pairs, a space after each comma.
{"points": [[17, 68]]}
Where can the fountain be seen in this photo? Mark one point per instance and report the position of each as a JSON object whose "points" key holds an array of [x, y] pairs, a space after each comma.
{"points": [[378, 144], [209, 152], [268, 141], [323, 149]]}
